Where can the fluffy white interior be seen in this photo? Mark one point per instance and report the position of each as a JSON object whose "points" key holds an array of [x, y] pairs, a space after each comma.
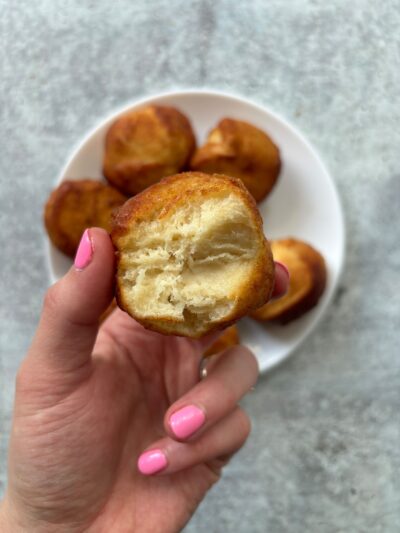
{"points": [[191, 265]]}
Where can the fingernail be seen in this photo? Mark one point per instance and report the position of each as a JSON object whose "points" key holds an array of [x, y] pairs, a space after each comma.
{"points": [[282, 267], [84, 253], [186, 421], [151, 462], [282, 279]]}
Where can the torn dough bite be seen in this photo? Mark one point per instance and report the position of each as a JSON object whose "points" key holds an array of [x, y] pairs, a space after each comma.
{"points": [[191, 255]]}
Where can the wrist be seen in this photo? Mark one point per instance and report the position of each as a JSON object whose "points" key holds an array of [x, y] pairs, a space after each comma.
{"points": [[5, 524], [10, 521]]}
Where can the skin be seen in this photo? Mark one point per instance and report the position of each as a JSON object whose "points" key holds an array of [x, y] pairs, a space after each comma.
{"points": [[89, 402]]}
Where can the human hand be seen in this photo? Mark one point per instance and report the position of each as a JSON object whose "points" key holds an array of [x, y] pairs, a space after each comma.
{"points": [[89, 402]]}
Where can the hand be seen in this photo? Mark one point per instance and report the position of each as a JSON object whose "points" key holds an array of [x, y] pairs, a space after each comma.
{"points": [[89, 402]]}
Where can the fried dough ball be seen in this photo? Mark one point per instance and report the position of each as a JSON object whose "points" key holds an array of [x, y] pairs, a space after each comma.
{"points": [[145, 145], [241, 150], [76, 205], [230, 337], [191, 255], [307, 281]]}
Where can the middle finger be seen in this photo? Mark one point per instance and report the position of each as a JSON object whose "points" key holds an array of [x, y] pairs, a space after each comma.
{"points": [[231, 377]]}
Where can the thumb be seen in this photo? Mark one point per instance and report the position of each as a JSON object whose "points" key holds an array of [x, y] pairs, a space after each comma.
{"points": [[69, 322]]}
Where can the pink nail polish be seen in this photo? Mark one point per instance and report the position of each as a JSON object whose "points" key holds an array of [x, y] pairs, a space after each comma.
{"points": [[282, 279], [282, 267], [84, 253], [151, 462], [187, 421]]}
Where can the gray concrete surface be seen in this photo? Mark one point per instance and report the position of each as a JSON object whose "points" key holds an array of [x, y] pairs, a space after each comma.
{"points": [[324, 453]]}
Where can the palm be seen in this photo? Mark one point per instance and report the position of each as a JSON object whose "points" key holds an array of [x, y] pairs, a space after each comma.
{"points": [[113, 413]]}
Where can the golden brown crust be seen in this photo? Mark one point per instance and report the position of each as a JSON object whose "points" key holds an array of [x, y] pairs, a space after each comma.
{"points": [[307, 281], [230, 337], [159, 202], [145, 145], [241, 150], [76, 205]]}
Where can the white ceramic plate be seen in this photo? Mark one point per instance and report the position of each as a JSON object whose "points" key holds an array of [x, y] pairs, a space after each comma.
{"points": [[303, 204]]}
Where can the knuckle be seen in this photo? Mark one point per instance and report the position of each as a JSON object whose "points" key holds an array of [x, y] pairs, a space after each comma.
{"points": [[23, 378], [243, 425], [246, 358], [51, 298], [227, 396], [251, 359]]}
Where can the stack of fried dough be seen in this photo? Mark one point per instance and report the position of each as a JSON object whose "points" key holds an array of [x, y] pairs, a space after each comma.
{"points": [[191, 255]]}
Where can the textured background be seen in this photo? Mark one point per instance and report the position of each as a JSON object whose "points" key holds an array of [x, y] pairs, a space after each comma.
{"points": [[324, 453]]}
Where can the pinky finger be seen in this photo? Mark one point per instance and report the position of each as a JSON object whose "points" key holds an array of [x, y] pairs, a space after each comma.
{"points": [[222, 440]]}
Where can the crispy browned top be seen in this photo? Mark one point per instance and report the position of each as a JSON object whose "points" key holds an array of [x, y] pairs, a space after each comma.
{"points": [[145, 145], [158, 200], [76, 205], [239, 149]]}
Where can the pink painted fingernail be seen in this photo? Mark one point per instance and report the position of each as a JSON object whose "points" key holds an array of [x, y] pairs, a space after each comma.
{"points": [[282, 278], [186, 421], [84, 253], [151, 462], [282, 267]]}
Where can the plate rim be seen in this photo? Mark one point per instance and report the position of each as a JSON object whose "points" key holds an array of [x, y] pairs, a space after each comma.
{"points": [[147, 99]]}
